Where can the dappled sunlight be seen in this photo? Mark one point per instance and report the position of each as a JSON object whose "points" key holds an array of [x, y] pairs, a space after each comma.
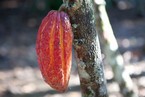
{"points": [[125, 43], [19, 72]]}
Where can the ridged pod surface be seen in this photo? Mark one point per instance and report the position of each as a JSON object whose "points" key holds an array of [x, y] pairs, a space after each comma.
{"points": [[54, 49]]}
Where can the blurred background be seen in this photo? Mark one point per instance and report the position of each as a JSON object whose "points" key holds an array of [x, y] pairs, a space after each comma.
{"points": [[19, 22]]}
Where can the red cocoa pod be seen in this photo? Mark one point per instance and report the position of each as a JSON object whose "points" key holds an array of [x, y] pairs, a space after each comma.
{"points": [[54, 49]]}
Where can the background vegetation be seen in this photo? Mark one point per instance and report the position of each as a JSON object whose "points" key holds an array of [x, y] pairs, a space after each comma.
{"points": [[19, 22]]}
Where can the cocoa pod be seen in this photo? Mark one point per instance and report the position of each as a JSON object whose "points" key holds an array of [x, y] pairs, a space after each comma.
{"points": [[54, 49]]}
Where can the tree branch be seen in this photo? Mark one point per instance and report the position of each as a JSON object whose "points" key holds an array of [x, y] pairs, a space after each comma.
{"points": [[86, 44], [112, 54]]}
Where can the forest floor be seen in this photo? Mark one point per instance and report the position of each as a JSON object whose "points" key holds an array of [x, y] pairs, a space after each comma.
{"points": [[19, 72]]}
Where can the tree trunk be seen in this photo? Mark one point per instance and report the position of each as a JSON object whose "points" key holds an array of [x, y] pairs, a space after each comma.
{"points": [[86, 44], [110, 49]]}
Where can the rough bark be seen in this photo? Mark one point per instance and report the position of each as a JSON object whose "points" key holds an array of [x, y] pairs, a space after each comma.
{"points": [[110, 49], [86, 44]]}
